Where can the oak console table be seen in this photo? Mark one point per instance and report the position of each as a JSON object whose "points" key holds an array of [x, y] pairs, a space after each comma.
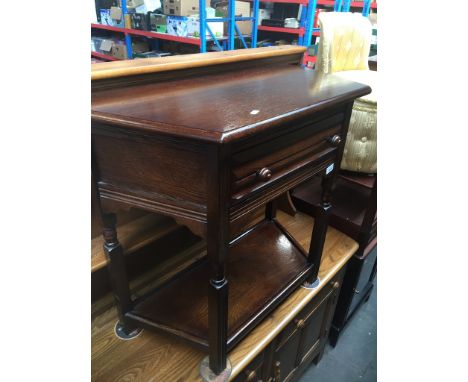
{"points": [[207, 139]]}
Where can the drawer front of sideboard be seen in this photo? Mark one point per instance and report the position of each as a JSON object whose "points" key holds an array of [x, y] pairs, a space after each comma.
{"points": [[271, 163], [303, 338], [253, 372]]}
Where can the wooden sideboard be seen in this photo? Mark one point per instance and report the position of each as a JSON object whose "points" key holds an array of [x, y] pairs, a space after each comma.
{"points": [[207, 141], [279, 349]]}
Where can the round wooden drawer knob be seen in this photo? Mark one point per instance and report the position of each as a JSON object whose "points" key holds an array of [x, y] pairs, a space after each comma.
{"points": [[264, 174], [336, 285], [335, 140], [300, 324]]}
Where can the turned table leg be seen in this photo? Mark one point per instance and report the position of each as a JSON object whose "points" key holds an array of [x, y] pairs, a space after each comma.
{"points": [[217, 303], [117, 275], [218, 310], [319, 231], [216, 366]]}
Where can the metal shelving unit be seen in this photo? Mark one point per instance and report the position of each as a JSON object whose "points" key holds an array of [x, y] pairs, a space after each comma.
{"points": [[233, 29], [136, 32], [305, 31], [225, 43]]}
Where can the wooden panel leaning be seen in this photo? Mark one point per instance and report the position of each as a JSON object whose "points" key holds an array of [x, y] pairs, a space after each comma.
{"points": [[207, 142]]}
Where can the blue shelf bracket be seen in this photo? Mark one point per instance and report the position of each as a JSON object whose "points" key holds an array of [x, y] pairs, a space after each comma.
{"points": [[203, 26], [240, 36], [338, 6], [256, 4], [302, 24], [213, 37], [231, 23], [346, 6], [128, 38], [309, 22], [366, 8]]}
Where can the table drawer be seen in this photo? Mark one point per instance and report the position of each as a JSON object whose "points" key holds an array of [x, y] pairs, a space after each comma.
{"points": [[254, 169]]}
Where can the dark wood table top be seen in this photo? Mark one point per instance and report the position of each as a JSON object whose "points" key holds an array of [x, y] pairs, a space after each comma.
{"points": [[222, 106]]}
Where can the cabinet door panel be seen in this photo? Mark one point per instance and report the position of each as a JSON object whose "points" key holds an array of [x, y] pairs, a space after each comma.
{"points": [[253, 371], [313, 330], [304, 338], [286, 359]]}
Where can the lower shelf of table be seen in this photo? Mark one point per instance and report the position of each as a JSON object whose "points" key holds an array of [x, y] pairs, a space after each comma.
{"points": [[263, 267]]}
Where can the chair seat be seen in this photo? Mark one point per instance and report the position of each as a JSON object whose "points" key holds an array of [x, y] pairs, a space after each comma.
{"points": [[360, 152]]}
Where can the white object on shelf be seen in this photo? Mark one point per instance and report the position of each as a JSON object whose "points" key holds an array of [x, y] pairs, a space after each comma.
{"points": [[152, 5], [264, 14], [291, 23]]}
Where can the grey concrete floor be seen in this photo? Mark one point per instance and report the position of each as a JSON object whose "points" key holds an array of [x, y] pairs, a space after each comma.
{"points": [[354, 359]]}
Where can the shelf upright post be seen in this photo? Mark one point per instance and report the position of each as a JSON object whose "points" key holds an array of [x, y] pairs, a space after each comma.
{"points": [[231, 24], [309, 27], [346, 6], [366, 8], [202, 26], [128, 38], [256, 4], [338, 5], [302, 23]]}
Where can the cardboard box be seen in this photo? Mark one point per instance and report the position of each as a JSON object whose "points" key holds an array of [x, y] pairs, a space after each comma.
{"points": [[106, 46], [139, 46], [116, 16], [242, 9], [181, 7], [194, 27], [183, 26], [177, 25], [116, 13], [119, 51], [157, 22], [105, 17]]}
